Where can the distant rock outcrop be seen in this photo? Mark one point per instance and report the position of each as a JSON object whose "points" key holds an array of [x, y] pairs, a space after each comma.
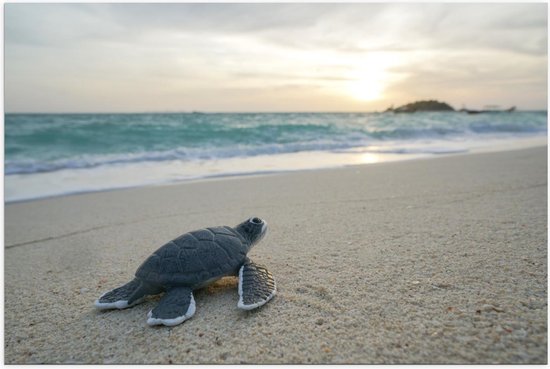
{"points": [[424, 105]]}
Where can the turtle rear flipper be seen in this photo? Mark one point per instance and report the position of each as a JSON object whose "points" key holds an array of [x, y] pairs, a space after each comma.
{"points": [[175, 307], [256, 286], [130, 294]]}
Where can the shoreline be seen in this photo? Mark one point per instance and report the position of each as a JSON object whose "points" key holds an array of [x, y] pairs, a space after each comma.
{"points": [[351, 159], [412, 262]]}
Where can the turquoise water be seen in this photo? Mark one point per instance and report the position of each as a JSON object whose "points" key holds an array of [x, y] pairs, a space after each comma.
{"points": [[76, 143]]}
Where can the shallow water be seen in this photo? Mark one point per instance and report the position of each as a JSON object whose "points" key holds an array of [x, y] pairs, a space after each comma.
{"points": [[54, 154]]}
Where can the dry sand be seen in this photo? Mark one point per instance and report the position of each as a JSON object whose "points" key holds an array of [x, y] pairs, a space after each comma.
{"points": [[427, 261]]}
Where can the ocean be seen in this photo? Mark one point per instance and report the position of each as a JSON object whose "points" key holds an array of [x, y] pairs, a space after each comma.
{"points": [[55, 154]]}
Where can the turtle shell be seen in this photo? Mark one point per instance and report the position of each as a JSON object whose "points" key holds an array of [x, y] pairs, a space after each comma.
{"points": [[195, 257]]}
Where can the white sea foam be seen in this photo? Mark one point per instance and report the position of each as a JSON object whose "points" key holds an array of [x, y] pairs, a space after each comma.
{"points": [[55, 154], [139, 173], [55, 142]]}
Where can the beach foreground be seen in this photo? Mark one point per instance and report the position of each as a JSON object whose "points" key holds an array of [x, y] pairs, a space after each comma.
{"points": [[425, 261]]}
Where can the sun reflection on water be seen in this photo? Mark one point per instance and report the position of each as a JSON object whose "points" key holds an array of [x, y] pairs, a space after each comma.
{"points": [[369, 158]]}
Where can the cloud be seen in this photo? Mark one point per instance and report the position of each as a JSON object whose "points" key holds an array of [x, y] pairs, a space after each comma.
{"points": [[55, 25], [216, 18], [353, 27], [149, 54]]}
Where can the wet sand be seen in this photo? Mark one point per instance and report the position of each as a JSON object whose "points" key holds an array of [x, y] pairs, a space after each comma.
{"points": [[427, 261]]}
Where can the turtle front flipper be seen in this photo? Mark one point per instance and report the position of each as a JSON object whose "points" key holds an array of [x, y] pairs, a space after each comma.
{"points": [[130, 294], [256, 286], [175, 307]]}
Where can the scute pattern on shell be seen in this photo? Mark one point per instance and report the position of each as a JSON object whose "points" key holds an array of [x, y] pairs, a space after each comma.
{"points": [[195, 257]]}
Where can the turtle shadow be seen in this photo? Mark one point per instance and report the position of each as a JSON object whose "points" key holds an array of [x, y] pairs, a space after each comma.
{"points": [[221, 293], [221, 286]]}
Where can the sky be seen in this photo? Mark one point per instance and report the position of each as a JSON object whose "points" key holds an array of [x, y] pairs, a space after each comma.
{"points": [[272, 57]]}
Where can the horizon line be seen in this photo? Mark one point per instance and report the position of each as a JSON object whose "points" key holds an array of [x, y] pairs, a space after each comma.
{"points": [[244, 112]]}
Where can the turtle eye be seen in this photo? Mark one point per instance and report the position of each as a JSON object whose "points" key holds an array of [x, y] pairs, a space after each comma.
{"points": [[256, 220]]}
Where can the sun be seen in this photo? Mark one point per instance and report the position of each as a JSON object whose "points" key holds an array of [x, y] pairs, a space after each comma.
{"points": [[370, 77], [367, 87]]}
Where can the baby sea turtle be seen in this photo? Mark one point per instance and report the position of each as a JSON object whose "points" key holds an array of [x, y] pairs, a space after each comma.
{"points": [[192, 261]]}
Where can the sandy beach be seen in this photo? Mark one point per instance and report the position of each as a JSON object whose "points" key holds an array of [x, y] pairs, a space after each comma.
{"points": [[426, 261]]}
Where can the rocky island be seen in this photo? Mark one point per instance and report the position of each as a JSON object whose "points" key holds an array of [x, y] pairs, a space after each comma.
{"points": [[423, 105]]}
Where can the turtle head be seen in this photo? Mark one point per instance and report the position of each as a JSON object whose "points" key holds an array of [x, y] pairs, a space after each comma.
{"points": [[253, 230]]}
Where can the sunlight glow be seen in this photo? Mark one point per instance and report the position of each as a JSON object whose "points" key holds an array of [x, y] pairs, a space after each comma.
{"points": [[369, 158], [368, 86], [371, 77]]}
